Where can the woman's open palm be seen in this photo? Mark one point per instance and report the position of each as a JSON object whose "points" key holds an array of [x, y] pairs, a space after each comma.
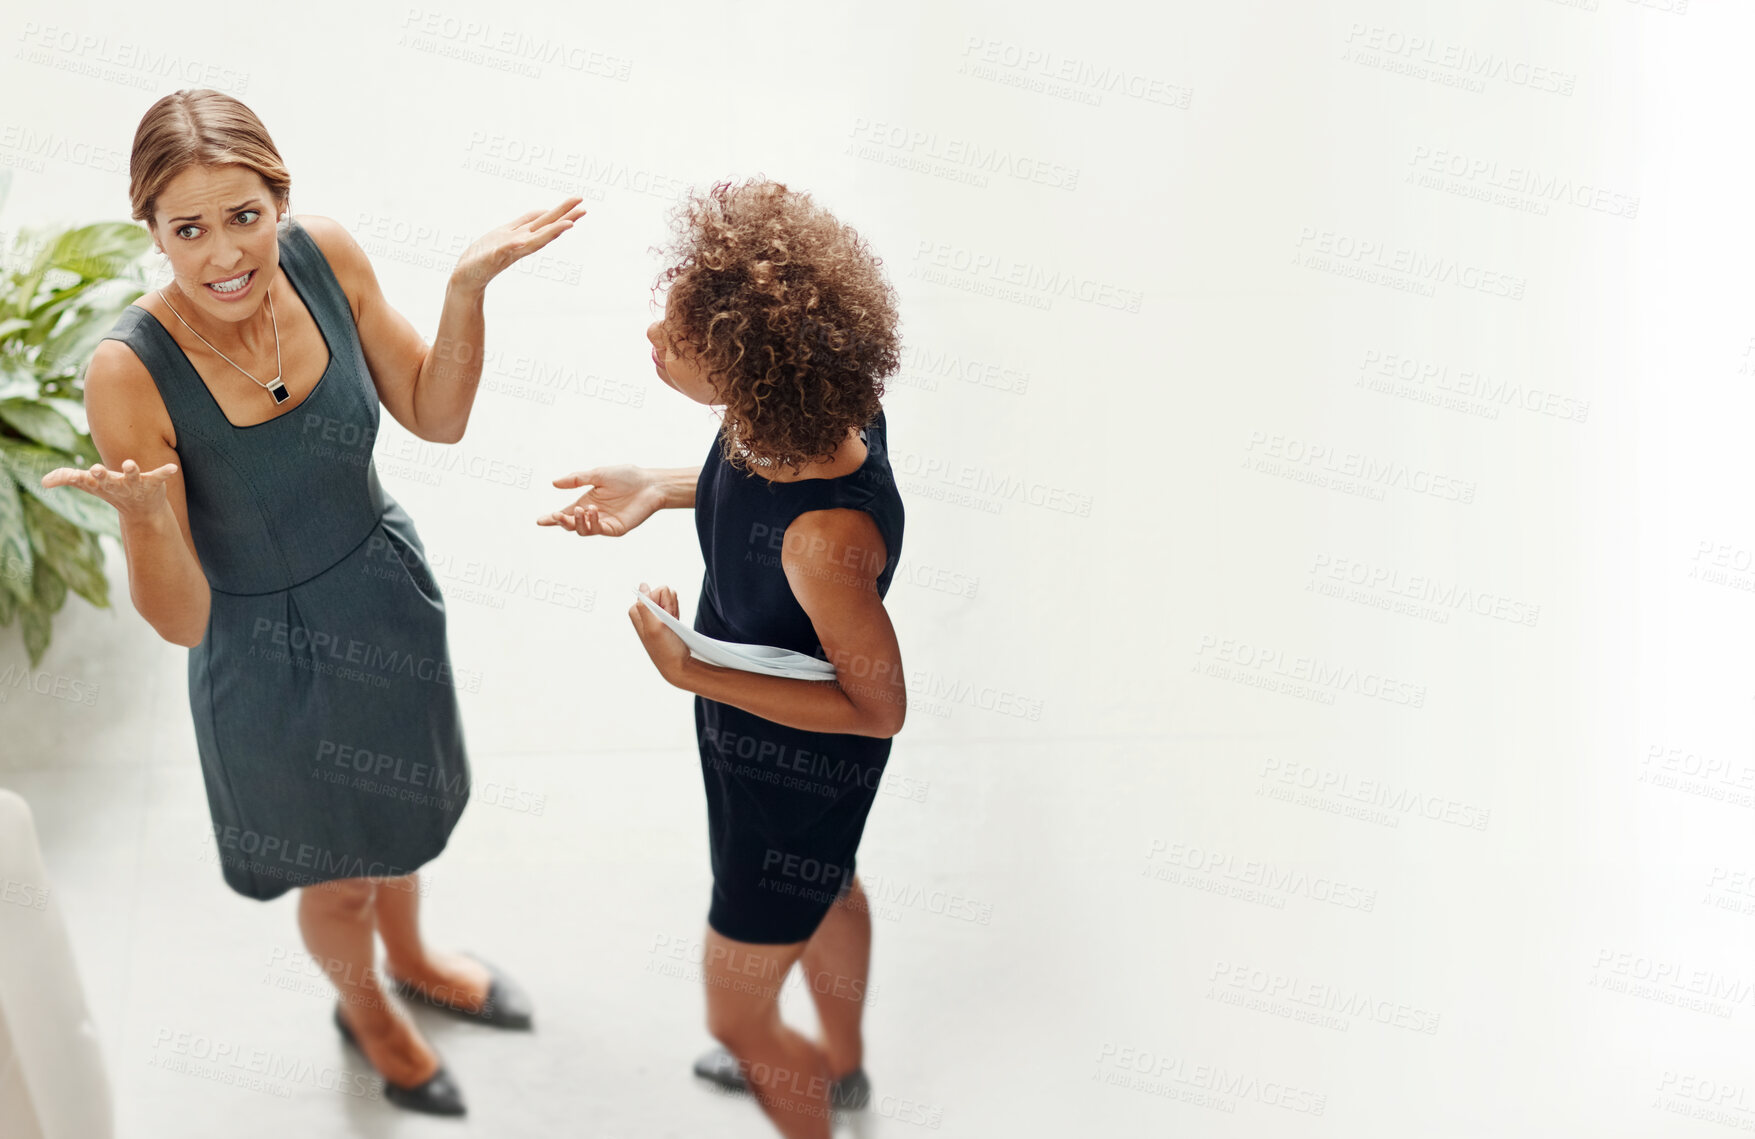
{"points": [[616, 500], [129, 490], [490, 254]]}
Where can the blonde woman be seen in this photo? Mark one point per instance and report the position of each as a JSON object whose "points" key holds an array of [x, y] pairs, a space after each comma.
{"points": [[235, 411]]}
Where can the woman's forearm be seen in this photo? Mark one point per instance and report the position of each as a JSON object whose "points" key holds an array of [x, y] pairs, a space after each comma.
{"points": [[678, 484], [165, 581], [444, 392], [809, 705]]}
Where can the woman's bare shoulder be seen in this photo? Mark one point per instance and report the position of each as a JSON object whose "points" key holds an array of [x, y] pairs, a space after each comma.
{"points": [[121, 395], [347, 260]]}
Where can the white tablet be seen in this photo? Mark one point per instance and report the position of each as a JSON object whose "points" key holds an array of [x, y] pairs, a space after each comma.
{"points": [[765, 659]]}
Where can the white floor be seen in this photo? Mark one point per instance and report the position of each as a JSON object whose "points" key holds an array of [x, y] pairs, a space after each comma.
{"points": [[995, 981]]}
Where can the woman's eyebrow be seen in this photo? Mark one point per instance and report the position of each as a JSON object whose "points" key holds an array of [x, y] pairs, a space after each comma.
{"points": [[228, 209]]}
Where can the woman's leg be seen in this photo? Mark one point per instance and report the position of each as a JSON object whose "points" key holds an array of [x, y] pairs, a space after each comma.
{"points": [[836, 964], [448, 977], [336, 919], [787, 1072]]}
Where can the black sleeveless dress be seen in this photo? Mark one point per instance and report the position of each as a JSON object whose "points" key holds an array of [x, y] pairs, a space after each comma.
{"points": [[324, 698], [785, 807]]}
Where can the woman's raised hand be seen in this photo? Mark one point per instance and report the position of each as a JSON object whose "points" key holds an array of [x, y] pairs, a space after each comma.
{"points": [[495, 250], [616, 500], [130, 490]]}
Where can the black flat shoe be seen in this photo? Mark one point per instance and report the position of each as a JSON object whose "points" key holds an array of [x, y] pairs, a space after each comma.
{"points": [[506, 1005], [440, 1095], [849, 1093]]}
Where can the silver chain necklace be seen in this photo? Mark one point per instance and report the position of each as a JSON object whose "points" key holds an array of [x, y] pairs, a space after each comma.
{"points": [[273, 387]]}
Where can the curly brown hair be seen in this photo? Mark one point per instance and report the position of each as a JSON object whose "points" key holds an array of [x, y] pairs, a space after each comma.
{"points": [[790, 314]]}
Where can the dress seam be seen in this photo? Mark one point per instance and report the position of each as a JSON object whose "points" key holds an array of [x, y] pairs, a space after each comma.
{"points": [[255, 495]]}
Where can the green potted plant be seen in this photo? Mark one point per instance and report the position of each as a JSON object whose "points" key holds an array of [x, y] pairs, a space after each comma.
{"points": [[60, 291]]}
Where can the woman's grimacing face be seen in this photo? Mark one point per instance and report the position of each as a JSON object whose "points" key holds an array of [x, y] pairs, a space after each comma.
{"points": [[215, 224]]}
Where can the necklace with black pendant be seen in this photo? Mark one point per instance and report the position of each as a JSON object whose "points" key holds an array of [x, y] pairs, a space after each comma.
{"points": [[273, 387]]}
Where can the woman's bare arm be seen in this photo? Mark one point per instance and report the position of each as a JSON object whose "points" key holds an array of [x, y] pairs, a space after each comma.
{"points": [[128, 422], [430, 389], [832, 559]]}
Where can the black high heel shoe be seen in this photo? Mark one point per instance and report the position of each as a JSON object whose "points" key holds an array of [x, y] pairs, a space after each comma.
{"points": [[506, 1005], [849, 1093], [440, 1095]]}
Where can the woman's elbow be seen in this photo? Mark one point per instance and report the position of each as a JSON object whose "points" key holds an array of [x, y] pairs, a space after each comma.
{"points": [[885, 722], [186, 637], [187, 630]]}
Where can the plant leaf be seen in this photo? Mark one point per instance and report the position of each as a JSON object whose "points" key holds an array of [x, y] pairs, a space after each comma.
{"points": [[47, 588], [35, 622], [37, 420], [15, 546], [98, 251], [29, 463], [48, 594], [74, 554], [69, 349]]}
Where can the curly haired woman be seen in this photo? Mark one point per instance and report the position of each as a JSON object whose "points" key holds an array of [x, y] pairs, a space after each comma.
{"points": [[781, 315]]}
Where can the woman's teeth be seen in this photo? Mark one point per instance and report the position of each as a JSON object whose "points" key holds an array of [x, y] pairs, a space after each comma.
{"points": [[233, 285]]}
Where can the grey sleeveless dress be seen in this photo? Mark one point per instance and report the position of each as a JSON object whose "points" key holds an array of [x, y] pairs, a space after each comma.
{"points": [[324, 699]]}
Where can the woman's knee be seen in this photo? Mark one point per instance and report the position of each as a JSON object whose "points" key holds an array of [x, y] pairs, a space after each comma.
{"points": [[737, 1013], [854, 898], [734, 1024], [343, 897]]}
